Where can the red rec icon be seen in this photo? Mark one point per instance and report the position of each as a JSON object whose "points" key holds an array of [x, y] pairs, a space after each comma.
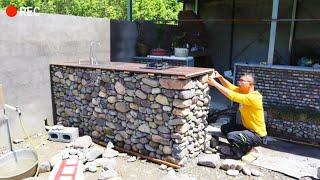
{"points": [[11, 11]]}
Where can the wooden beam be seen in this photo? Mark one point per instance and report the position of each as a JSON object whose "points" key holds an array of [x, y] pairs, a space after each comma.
{"points": [[154, 160]]}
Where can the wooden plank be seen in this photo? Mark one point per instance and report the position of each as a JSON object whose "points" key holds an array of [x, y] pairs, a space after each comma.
{"points": [[158, 161]]}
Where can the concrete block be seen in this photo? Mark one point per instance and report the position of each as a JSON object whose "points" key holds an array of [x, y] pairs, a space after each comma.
{"points": [[67, 134]]}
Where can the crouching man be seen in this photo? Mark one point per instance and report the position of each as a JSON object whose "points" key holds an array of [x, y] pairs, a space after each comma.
{"points": [[243, 138]]}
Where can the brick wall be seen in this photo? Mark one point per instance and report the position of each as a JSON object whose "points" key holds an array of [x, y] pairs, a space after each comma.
{"points": [[285, 85]]}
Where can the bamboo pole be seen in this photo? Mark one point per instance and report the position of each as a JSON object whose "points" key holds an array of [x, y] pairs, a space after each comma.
{"points": [[157, 161]]}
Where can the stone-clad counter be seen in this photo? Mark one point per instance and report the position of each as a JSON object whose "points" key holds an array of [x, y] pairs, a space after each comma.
{"points": [[159, 113]]}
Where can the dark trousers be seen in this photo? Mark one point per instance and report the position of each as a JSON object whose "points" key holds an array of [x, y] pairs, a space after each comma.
{"points": [[240, 138]]}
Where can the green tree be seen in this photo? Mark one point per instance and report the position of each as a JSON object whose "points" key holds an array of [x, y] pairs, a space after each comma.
{"points": [[160, 11]]}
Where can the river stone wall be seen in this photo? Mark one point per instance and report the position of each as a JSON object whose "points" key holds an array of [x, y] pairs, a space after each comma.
{"points": [[308, 132], [156, 115]]}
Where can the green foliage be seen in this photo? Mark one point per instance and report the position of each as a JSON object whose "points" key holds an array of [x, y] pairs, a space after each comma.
{"points": [[289, 113], [160, 11]]}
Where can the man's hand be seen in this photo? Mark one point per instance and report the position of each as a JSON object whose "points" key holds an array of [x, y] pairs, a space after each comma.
{"points": [[216, 74], [212, 82]]}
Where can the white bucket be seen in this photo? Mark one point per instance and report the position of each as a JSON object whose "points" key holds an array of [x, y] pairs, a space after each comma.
{"points": [[181, 52]]}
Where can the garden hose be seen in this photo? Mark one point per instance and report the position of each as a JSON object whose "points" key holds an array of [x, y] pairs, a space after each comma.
{"points": [[26, 133]]}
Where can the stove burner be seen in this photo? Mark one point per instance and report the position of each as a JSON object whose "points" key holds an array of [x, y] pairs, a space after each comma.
{"points": [[157, 65]]}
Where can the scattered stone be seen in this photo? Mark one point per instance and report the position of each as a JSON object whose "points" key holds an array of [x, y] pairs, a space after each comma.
{"points": [[93, 154], [110, 145], [132, 159], [108, 164], [231, 164], [232, 172], [110, 153], [255, 172], [65, 156], [92, 168], [82, 142], [122, 154], [209, 160], [110, 173], [171, 171], [246, 171], [73, 157], [163, 167], [73, 152], [45, 167]]}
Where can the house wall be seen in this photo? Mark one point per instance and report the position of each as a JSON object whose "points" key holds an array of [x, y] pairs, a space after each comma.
{"points": [[288, 87], [28, 45], [251, 39], [285, 85]]}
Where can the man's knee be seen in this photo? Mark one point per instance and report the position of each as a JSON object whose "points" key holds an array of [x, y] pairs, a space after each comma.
{"points": [[225, 129], [232, 136]]}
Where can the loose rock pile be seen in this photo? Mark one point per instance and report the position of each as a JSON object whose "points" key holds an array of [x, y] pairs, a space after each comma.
{"points": [[92, 157], [159, 116], [231, 166]]}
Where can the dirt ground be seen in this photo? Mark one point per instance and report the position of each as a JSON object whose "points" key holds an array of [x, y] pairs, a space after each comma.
{"points": [[142, 169]]}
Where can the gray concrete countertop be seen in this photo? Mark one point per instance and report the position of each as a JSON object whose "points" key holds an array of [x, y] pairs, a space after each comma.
{"points": [[182, 72]]}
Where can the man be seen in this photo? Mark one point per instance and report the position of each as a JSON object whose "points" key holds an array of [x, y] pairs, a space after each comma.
{"points": [[253, 129]]}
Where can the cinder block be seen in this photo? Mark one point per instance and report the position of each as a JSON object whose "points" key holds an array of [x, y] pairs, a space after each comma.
{"points": [[67, 134]]}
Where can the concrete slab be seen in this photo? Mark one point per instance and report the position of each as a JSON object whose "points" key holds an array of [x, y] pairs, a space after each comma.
{"points": [[291, 159]]}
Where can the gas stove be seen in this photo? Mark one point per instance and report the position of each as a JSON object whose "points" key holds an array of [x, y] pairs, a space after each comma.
{"points": [[157, 65]]}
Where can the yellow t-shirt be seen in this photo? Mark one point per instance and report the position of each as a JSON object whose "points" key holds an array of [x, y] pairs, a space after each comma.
{"points": [[251, 109]]}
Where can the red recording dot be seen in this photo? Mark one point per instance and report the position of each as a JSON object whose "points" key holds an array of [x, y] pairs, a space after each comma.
{"points": [[11, 11]]}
